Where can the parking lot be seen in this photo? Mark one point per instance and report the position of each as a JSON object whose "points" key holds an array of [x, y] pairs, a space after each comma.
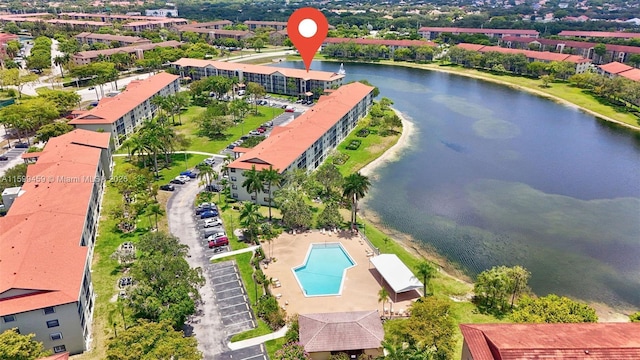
{"points": [[256, 352], [14, 159], [231, 297]]}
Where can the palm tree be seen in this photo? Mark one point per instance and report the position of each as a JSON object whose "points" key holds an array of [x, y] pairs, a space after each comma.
{"points": [[253, 182], [155, 209], [61, 60], [383, 297], [249, 218], [426, 271], [355, 187], [206, 172], [272, 178]]}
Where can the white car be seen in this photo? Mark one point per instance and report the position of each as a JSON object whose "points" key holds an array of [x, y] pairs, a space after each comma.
{"points": [[184, 178], [212, 222], [215, 236], [254, 132]]}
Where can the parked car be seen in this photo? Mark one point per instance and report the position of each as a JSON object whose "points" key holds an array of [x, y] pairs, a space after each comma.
{"points": [[212, 222], [216, 235], [254, 132], [231, 146], [213, 188], [244, 137], [209, 214], [238, 142], [189, 173], [267, 124], [91, 88], [290, 109], [223, 241], [4, 158], [299, 101], [184, 178], [284, 106], [167, 187], [209, 161], [205, 207], [261, 130], [212, 232], [21, 145], [241, 92], [177, 180]]}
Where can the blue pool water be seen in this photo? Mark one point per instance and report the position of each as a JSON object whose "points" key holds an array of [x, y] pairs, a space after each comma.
{"points": [[323, 271]]}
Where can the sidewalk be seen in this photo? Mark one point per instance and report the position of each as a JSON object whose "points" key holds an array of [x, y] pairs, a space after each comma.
{"points": [[258, 340], [235, 252]]}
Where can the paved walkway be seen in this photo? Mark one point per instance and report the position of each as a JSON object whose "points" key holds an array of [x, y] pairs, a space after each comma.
{"points": [[182, 152], [235, 252], [258, 340]]}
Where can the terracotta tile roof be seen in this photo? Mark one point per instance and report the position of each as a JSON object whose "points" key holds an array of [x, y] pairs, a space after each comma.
{"points": [[594, 341], [405, 43], [260, 69], [286, 143], [601, 34], [479, 31], [615, 67], [341, 331], [109, 37], [223, 32], [29, 155], [62, 356], [633, 74], [266, 23], [109, 110], [126, 49], [531, 54], [78, 22], [40, 250]]}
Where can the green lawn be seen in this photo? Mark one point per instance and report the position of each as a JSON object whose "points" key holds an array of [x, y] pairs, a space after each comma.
{"points": [[201, 143], [273, 346], [105, 271]]}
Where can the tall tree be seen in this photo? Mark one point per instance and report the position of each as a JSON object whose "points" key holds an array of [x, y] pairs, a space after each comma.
{"points": [[152, 340], [271, 177], [329, 177], [256, 91], [14, 346], [355, 187], [155, 210], [250, 219], [383, 297], [426, 271], [253, 182]]}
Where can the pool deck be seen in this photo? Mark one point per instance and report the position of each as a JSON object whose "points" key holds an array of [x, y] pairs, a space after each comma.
{"points": [[360, 287]]}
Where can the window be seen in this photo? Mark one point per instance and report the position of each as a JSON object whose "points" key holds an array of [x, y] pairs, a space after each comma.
{"points": [[266, 199], [55, 336], [53, 323], [234, 187], [233, 178], [49, 310], [9, 318], [253, 197], [235, 195], [59, 349], [232, 169]]}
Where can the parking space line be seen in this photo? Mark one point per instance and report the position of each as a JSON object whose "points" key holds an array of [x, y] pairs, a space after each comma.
{"points": [[230, 297], [230, 306], [229, 289], [239, 323], [234, 314], [254, 356], [227, 282], [219, 276]]}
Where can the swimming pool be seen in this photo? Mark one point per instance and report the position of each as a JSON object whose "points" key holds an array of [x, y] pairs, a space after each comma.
{"points": [[323, 270]]}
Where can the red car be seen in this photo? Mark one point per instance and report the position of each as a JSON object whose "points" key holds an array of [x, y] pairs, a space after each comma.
{"points": [[221, 241], [261, 130], [289, 110]]}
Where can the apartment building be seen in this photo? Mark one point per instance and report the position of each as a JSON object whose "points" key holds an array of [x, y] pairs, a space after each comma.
{"points": [[4, 39], [92, 38], [47, 242], [120, 116], [599, 34], [275, 80], [276, 25], [391, 45], [615, 68], [154, 24], [305, 142], [216, 25], [162, 12], [87, 57], [585, 49], [581, 64], [618, 341], [431, 33]]}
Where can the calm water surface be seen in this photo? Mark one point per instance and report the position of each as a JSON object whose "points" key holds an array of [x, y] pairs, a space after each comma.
{"points": [[496, 176]]}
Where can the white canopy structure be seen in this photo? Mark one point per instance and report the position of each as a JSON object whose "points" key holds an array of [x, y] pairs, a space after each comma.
{"points": [[396, 273]]}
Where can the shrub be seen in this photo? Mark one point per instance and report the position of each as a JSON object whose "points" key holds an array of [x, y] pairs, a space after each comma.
{"points": [[293, 333], [363, 133], [270, 312], [354, 144], [340, 158], [12, 93]]}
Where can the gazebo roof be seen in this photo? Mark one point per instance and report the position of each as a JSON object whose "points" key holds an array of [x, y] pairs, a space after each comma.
{"points": [[396, 273]]}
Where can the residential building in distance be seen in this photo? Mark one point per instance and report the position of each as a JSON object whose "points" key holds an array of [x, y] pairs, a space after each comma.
{"points": [[274, 80], [392, 45], [614, 52], [162, 12], [225, 34], [600, 341], [4, 39], [87, 57], [431, 33], [120, 116], [581, 63], [599, 34], [276, 25], [86, 21], [216, 25], [79, 24], [305, 142], [92, 38], [615, 68], [47, 242], [353, 333]]}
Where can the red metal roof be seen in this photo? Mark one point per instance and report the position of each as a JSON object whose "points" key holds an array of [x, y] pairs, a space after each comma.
{"points": [[593, 341]]}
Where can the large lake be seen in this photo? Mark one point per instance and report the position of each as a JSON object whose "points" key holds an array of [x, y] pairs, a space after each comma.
{"points": [[497, 176]]}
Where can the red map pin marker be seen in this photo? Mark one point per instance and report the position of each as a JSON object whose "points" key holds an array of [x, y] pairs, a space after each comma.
{"points": [[307, 29]]}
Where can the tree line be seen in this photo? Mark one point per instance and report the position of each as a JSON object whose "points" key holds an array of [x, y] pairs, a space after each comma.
{"points": [[352, 50]]}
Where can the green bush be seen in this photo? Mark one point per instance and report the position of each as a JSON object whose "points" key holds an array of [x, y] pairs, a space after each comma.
{"points": [[354, 144], [363, 133], [340, 158], [270, 312]]}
